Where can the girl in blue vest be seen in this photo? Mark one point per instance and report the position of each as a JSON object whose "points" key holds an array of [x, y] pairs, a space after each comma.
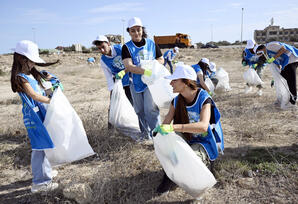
{"points": [[201, 68], [26, 80], [137, 49], [195, 116], [286, 58], [169, 56]]}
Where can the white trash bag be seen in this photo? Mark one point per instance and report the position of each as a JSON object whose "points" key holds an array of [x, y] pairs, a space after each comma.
{"points": [[66, 131], [223, 80], [252, 78], [280, 84], [160, 88], [182, 165], [122, 115], [209, 84]]}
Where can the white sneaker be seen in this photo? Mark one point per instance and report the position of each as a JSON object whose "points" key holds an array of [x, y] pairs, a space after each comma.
{"points": [[44, 187], [54, 173], [288, 106], [260, 92], [247, 89]]}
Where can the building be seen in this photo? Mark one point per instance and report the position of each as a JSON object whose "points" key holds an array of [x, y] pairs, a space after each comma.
{"points": [[275, 33]]}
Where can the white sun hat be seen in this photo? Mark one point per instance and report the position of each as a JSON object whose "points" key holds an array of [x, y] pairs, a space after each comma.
{"points": [[250, 44], [205, 60], [100, 38], [212, 67], [183, 71], [176, 49], [135, 21], [30, 50]]}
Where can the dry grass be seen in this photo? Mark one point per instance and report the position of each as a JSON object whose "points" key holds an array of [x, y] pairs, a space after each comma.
{"points": [[260, 142]]}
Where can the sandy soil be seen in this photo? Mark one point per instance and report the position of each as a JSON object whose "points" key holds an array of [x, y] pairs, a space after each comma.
{"points": [[259, 138]]}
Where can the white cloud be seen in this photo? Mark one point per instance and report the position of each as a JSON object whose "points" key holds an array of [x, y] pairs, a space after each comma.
{"points": [[112, 8]]}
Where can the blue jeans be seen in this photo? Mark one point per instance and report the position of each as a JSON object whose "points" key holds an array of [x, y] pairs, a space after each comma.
{"points": [[146, 109], [170, 64], [41, 167]]}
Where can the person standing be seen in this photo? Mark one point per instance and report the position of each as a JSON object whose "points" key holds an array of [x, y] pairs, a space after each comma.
{"points": [[137, 49], [194, 115], [27, 81], [285, 58], [169, 56]]}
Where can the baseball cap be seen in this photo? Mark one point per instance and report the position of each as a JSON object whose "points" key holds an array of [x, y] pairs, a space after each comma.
{"points": [[101, 38], [205, 60], [135, 21], [212, 67], [183, 71], [176, 49], [250, 44], [30, 50]]}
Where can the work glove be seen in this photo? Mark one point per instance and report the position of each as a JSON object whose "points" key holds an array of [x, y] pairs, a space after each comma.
{"points": [[270, 60], [147, 72], [210, 93], [272, 83], [164, 129], [244, 63], [120, 74], [56, 85], [175, 61], [254, 65]]}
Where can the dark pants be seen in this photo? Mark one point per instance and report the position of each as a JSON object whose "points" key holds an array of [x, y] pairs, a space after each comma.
{"points": [[170, 64], [289, 73]]}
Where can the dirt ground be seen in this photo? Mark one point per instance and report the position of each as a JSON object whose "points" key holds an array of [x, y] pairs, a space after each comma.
{"points": [[259, 164]]}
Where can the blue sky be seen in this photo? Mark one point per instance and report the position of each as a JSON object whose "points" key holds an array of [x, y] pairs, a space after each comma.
{"points": [[65, 22]]}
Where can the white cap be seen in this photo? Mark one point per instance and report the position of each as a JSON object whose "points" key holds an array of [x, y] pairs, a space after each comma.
{"points": [[135, 21], [212, 67], [183, 71], [176, 49], [205, 60], [255, 48], [101, 38], [30, 50], [250, 44]]}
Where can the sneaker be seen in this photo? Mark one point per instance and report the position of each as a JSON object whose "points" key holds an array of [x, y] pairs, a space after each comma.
{"points": [[44, 187], [260, 92], [288, 106], [54, 173], [247, 89]]}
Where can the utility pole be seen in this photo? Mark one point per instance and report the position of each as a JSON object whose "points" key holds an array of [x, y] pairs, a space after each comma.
{"points": [[241, 28], [123, 21]]}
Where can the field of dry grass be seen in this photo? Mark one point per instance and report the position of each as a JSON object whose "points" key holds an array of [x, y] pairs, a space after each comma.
{"points": [[259, 164]]}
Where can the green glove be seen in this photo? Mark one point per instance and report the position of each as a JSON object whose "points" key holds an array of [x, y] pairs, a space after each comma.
{"points": [[270, 60], [164, 129], [244, 63], [210, 93], [58, 85], [147, 72], [175, 61], [120, 74], [254, 65]]}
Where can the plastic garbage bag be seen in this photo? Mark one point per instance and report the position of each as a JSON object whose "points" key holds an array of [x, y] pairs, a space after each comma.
{"points": [[66, 131], [122, 115], [182, 165], [252, 78], [160, 88], [223, 80], [280, 84], [209, 84]]}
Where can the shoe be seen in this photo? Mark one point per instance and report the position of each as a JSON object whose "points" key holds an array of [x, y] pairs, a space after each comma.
{"points": [[54, 173], [247, 89], [166, 185], [260, 92], [288, 106], [44, 187]]}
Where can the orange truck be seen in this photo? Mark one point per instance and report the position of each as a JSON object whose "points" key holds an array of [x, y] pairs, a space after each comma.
{"points": [[180, 40]]}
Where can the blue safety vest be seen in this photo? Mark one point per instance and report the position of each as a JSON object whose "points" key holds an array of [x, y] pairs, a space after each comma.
{"points": [[33, 115], [167, 53], [197, 68], [213, 143], [146, 52], [115, 64], [283, 60]]}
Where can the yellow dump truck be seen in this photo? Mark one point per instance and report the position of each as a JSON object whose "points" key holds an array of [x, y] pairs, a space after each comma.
{"points": [[180, 40]]}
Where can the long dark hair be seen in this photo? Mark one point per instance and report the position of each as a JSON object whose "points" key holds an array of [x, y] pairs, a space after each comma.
{"points": [[144, 34], [20, 65], [180, 115]]}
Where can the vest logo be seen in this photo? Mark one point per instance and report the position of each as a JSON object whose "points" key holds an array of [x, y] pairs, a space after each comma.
{"points": [[145, 55], [193, 117], [117, 62]]}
